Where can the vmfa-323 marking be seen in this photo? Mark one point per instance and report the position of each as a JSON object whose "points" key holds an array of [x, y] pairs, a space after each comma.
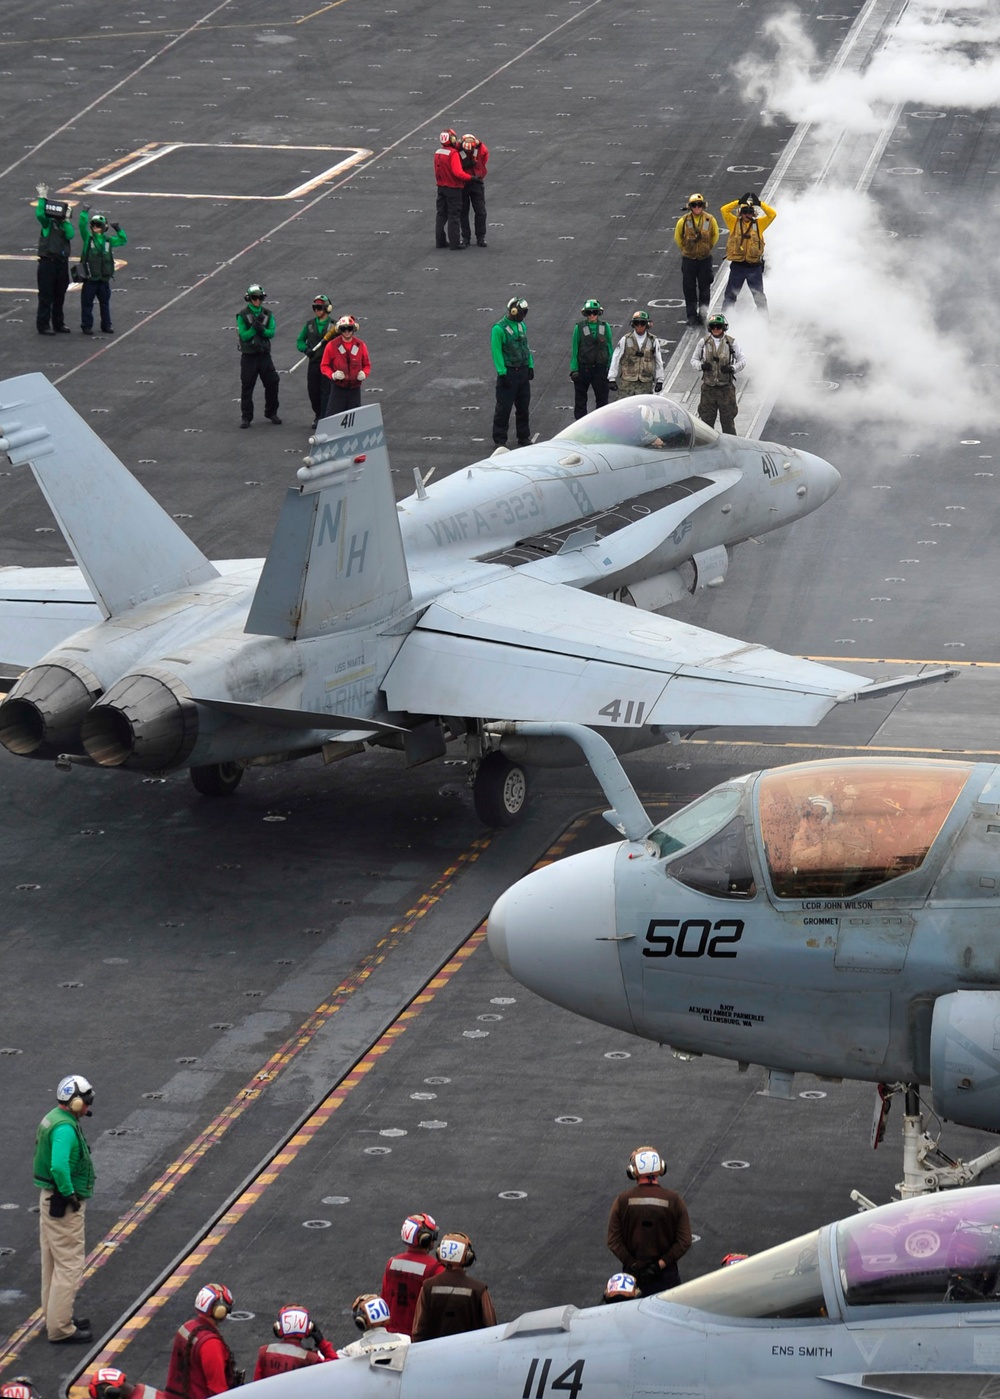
{"points": [[899, 1300], [497, 594]]}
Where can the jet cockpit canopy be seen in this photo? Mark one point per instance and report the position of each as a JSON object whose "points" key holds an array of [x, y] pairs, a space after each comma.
{"points": [[645, 420], [936, 1249]]}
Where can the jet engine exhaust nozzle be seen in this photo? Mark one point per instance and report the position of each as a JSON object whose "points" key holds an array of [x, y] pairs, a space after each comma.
{"points": [[142, 723], [42, 714]]}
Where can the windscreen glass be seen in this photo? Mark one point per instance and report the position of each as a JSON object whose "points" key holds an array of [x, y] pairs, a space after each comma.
{"points": [[832, 830], [692, 824], [783, 1282], [720, 866], [943, 1248], [646, 420]]}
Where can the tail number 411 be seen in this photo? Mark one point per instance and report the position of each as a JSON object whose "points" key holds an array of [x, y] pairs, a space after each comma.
{"points": [[631, 713], [570, 1382]]}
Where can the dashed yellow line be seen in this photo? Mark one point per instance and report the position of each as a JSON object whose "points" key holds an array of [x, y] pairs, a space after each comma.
{"points": [[279, 1061], [287, 1152]]}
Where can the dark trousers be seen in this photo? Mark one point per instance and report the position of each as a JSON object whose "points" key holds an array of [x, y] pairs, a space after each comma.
{"points": [[449, 213], [102, 290], [53, 279], [513, 391], [318, 386], [474, 196], [661, 1281], [596, 379], [342, 397], [750, 274], [254, 366], [696, 277], [721, 399]]}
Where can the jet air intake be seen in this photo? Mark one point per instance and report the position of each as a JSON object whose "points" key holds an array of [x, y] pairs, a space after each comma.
{"points": [[42, 714], [965, 1039], [143, 722]]}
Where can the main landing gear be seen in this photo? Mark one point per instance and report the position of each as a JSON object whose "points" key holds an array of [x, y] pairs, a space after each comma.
{"points": [[499, 790], [926, 1168], [217, 779]]}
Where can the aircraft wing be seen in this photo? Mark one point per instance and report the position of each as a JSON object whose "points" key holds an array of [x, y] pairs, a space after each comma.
{"points": [[39, 609], [521, 648]]}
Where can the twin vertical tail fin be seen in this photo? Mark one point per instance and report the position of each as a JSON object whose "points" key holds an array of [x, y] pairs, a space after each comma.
{"points": [[336, 561], [126, 545]]}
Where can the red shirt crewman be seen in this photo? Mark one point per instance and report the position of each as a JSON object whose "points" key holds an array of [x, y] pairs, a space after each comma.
{"points": [[451, 178], [346, 364], [405, 1272], [201, 1364], [293, 1328]]}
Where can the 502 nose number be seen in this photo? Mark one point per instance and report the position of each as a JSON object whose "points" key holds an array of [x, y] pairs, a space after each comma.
{"points": [[694, 937]]}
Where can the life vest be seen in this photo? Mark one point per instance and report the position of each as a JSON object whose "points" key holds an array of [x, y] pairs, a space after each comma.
{"points": [[718, 355], [696, 236], [189, 1338], [594, 348], [81, 1167], [638, 366], [450, 1304], [514, 344], [281, 1356], [745, 244], [97, 263], [53, 245]]}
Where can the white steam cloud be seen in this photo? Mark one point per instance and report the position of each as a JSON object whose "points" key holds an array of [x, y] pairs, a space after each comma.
{"points": [[896, 322], [952, 62]]}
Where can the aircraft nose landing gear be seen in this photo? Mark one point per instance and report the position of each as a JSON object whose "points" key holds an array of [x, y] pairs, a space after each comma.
{"points": [[499, 791], [926, 1168]]}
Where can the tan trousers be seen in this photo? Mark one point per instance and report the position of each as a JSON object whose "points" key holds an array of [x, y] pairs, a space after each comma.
{"points": [[63, 1254]]}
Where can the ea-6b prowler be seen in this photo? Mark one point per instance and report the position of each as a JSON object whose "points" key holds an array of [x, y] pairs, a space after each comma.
{"points": [[837, 918], [498, 593]]}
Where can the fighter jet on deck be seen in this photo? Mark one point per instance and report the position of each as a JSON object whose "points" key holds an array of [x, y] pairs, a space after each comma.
{"points": [[834, 917], [901, 1300], [498, 593]]}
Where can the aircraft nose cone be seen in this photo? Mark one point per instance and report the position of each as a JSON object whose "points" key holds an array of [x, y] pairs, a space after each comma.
{"points": [[823, 478], [549, 932]]}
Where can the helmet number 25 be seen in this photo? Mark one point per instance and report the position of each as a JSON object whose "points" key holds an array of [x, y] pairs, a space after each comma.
{"points": [[570, 1381], [693, 937]]}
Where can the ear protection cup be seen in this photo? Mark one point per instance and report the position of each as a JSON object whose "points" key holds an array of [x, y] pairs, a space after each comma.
{"points": [[220, 1311]]}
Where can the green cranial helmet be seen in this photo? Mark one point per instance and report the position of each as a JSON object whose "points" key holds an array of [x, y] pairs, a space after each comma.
{"points": [[98, 220], [640, 318], [593, 308], [719, 321], [255, 290]]}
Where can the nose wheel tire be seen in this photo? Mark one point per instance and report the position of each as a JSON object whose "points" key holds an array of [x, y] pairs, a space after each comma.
{"points": [[499, 791], [217, 779]]}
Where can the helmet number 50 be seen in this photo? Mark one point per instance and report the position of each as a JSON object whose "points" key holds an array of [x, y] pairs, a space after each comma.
{"points": [[693, 937]]}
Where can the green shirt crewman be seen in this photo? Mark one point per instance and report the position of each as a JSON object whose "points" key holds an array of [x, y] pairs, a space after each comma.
{"points": [[64, 1173], [97, 267], [590, 356], [255, 330], [53, 262], [312, 341], [515, 368]]}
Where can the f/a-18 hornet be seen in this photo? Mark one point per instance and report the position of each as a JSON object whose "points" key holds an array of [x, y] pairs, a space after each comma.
{"points": [[899, 1300], [835, 917], [498, 593]]}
